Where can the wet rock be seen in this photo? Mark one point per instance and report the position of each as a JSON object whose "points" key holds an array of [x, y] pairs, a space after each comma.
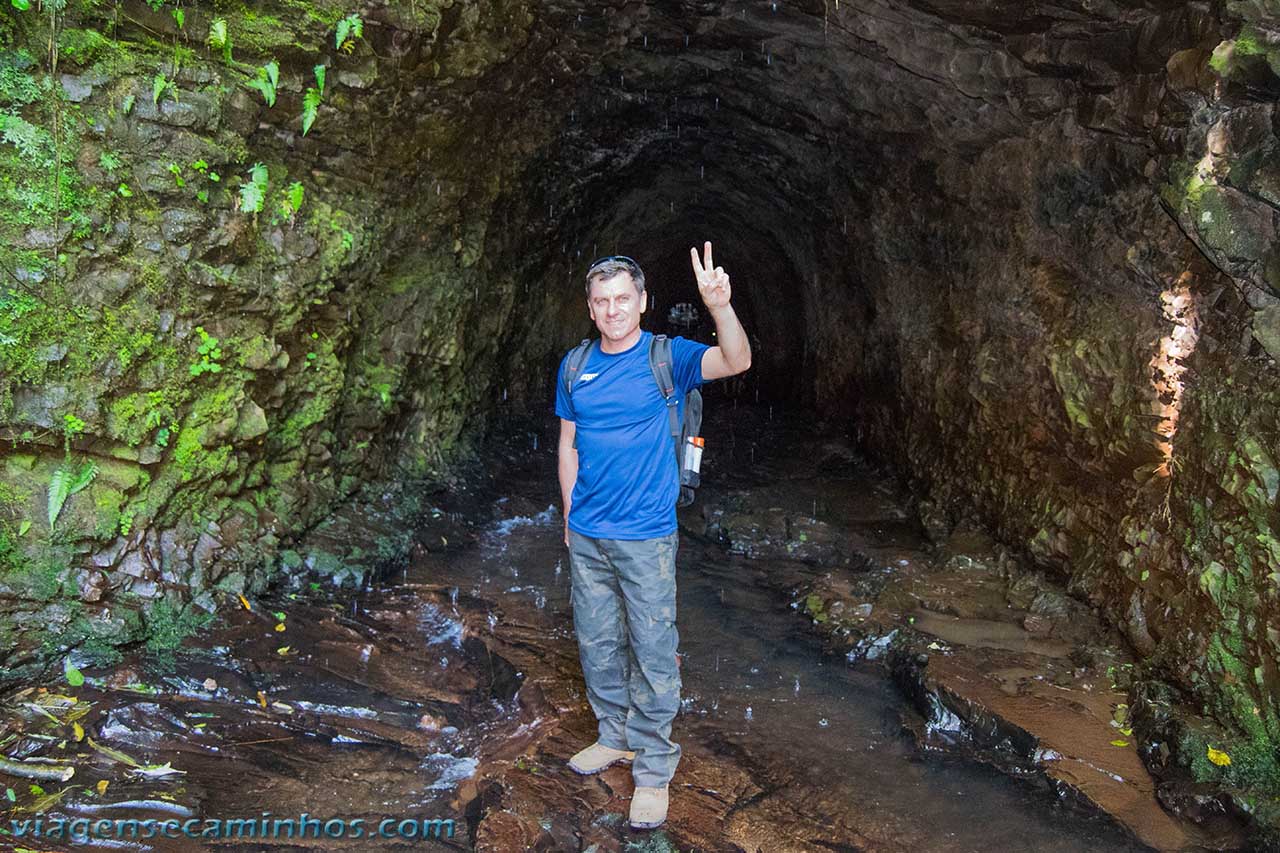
{"points": [[251, 422], [179, 225], [1266, 328]]}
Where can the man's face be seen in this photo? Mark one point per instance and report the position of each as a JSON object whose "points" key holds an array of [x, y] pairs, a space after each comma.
{"points": [[615, 306]]}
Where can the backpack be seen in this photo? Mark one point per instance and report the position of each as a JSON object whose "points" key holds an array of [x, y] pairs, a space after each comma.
{"points": [[688, 445]]}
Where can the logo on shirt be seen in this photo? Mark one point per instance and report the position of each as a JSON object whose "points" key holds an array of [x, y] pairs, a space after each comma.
{"points": [[587, 377]]}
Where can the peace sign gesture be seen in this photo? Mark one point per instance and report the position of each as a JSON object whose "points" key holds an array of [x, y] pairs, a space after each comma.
{"points": [[713, 282]]}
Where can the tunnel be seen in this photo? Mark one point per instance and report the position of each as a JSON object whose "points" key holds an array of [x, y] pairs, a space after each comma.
{"points": [[261, 259]]}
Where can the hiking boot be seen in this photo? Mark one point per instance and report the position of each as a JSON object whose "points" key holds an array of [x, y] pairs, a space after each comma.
{"points": [[648, 807], [597, 757]]}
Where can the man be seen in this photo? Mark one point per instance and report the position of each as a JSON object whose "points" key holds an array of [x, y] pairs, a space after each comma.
{"points": [[619, 482]]}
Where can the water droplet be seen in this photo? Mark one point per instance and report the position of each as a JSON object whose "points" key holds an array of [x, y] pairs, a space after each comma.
{"points": [[797, 688], [824, 722], [646, 40], [702, 172], [749, 715]]}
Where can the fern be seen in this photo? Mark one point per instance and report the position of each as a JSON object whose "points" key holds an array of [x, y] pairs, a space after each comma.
{"points": [[320, 70], [59, 489], [63, 485], [310, 106], [35, 144], [159, 85], [349, 29], [219, 39], [266, 82], [292, 201], [254, 191]]}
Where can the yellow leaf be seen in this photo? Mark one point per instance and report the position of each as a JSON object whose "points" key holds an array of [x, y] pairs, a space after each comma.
{"points": [[1119, 743], [262, 699], [283, 650], [79, 730], [280, 627], [1219, 757], [102, 786], [244, 601]]}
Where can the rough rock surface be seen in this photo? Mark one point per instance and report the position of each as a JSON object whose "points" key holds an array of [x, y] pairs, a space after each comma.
{"points": [[1025, 250]]}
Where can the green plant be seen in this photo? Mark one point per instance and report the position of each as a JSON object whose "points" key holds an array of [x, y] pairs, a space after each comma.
{"points": [[71, 427], [168, 626], [219, 39], [179, 17], [176, 171], [126, 521], [311, 100], [291, 203], [209, 352], [266, 81], [64, 484], [254, 191], [162, 85], [108, 161], [349, 29]]}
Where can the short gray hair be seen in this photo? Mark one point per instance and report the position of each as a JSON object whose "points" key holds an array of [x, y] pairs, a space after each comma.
{"points": [[609, 267]]}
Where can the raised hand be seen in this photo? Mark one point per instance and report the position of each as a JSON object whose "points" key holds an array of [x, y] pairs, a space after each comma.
{"points": [[713, 281]]}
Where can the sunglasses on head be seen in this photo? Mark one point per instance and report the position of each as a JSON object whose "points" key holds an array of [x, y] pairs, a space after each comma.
{"points": [[606, 260]]}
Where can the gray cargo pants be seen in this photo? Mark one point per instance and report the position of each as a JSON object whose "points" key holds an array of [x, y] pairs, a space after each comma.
{"points": [[624, 613]]}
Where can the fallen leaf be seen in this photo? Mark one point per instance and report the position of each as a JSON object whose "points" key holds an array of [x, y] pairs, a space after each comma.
{"points": [[113, 754], [244, 601], [210, 685], [154, 770], [79, 730], [262, 699], [283, 650], [279, 614], [102, 786], [280, 627], [1219, 757], [1119, 743]]}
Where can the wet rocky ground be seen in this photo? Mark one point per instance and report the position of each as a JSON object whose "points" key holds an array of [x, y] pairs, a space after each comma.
{"points": [[848, 685]]}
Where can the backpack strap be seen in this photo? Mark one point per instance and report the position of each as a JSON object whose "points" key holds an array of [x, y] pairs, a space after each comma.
{"points": [[660, 364], [573, 366], [573, 369]]}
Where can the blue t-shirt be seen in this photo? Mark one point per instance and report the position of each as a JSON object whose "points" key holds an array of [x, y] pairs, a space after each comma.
{"points": [[628, 482]]}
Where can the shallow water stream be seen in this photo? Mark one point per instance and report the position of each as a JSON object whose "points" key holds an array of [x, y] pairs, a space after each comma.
{"points": [[451, 690]]}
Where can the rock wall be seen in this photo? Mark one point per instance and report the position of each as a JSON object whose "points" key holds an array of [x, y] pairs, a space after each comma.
{"points": [[234, 292], [1072, 329]]}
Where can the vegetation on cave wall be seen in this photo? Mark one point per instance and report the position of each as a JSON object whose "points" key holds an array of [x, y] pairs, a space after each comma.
{"points": [[210, 329]]}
